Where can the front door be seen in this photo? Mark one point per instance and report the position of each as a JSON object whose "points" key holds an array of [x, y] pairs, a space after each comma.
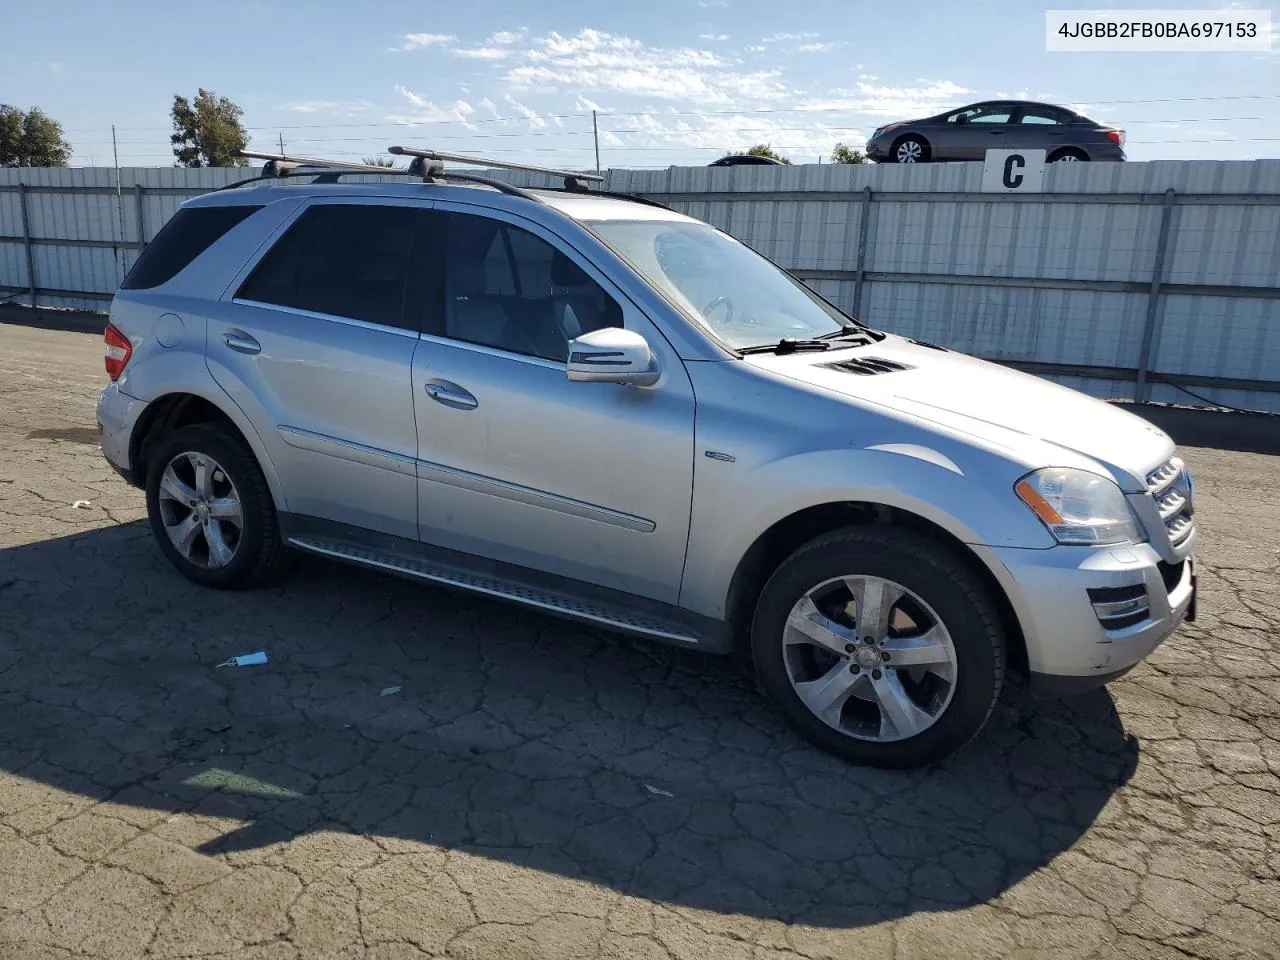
{"points": [[313, 345], [975, 131], [590, 481]]}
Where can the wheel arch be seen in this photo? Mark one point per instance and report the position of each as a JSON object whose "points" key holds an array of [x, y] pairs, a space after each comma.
{"points": [[180, 408], [779, 541], [912, 135]]}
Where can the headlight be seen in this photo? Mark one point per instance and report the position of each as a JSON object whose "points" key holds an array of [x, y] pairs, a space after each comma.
{"points": [[1079, 507]]}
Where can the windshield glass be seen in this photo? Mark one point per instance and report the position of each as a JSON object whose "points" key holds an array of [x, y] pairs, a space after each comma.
{"points": [[726, 286]]}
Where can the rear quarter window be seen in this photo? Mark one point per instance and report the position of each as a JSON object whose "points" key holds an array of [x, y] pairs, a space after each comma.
{"points": [[189, 232]]}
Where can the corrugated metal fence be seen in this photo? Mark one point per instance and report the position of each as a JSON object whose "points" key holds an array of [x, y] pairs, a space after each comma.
{"points": [[1142, 280]]}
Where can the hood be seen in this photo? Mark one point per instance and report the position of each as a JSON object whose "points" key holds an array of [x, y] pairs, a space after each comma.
{"points": [[986, 400]]}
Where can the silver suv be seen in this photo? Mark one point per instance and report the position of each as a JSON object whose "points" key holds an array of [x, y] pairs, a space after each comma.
{"points": [[602, 409]]}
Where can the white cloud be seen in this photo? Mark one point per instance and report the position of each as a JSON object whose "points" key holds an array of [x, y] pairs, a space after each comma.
{"points": [[713, 37], [582, 103], [714, 134], [57, 66], [482, 53], [528, 113], [416, 41], [426, 111], [595, 60], [783, 37], [816, 47], [713, 4], [900, 103], [755, 48], [346, 108], [508, 36]]}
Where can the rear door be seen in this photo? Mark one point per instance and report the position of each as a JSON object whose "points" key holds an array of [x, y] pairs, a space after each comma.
{"points": [[971, 133], [1038, 128], [311, 341]]}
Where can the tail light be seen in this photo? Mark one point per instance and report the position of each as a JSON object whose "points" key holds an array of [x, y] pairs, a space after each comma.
{"points": [[119, 350], [1116, 137]]}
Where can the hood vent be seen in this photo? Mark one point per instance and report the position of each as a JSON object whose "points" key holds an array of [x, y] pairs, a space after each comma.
{"points": [[866, 366]]}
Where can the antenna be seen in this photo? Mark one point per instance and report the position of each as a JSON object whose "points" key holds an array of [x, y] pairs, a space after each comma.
{"points": [[572, 181]]}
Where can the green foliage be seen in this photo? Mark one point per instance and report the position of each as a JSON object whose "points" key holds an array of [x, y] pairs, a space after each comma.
{"points": [[31, 139], [843, 154], [208, 133], [380, 162], [765, 150]]}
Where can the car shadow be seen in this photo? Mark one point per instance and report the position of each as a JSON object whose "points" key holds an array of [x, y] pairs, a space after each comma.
{"points": [[396, 710]]}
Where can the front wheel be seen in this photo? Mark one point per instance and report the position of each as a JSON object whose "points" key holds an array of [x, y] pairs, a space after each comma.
{"points": [[879, 646], [910, 149], [1069, 155]]}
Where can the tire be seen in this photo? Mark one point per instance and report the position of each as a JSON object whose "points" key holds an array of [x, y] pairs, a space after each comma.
{"points": [[910, 149], [862, 728], [233, 477], [1069, 155]]}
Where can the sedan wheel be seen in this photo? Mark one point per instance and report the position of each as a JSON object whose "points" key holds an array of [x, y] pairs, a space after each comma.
{"points": [[909, 151]]}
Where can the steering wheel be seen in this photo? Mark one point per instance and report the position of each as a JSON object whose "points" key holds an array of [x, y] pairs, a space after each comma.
{"points": [[717, 303]]}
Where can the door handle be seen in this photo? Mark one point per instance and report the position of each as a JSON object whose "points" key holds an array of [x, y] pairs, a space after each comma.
{"points": [[241, 342], [451, 395]]}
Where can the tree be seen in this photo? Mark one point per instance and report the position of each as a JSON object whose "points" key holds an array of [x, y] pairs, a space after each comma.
{"points": [[843, 154], [31, 139], [380, 162], [208, 133], [764, 150]]}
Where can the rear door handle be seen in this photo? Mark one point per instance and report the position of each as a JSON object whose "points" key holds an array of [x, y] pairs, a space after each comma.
{"points": [[241, 342], [451, 395]]}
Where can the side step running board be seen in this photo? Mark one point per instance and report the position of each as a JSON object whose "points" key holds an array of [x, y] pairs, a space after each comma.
{"points": [[556, 602]]}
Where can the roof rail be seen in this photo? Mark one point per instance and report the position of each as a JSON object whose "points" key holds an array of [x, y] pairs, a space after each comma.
{"points": [[573, 181]]}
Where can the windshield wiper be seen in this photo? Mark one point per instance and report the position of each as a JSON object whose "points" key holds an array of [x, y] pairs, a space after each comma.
{"points": [[852, 331], [787, 345]]}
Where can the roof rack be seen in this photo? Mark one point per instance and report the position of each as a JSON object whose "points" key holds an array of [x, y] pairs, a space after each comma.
{"points": [[575, 182], [427, 165], [278, 166]]}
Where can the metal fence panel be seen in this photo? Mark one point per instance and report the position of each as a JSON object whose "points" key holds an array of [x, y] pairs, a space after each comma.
{"points": [[1060, 282]]}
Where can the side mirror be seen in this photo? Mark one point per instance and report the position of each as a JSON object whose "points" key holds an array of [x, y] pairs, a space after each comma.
{"points": [[612, 355]]}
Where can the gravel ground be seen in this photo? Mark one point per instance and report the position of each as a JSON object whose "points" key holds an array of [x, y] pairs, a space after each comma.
{"points": [[538, 789]]}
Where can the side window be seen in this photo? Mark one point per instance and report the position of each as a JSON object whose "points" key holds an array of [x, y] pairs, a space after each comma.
{"points": [[1042, 115], [188, 233], [509, 289], [346, 260], [991, 115]]}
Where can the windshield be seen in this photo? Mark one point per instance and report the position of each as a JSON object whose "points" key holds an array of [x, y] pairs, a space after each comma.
{"points": [[738, 295]]}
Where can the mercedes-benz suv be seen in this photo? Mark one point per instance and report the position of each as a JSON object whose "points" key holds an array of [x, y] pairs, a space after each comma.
{"points": [[603, 409]]}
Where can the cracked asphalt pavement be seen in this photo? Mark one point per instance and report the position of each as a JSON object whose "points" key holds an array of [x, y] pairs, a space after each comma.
{"points": [[539, 789]]}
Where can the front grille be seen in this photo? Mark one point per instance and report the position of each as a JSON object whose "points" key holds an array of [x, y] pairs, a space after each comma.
{"points": [[1170, 488]]}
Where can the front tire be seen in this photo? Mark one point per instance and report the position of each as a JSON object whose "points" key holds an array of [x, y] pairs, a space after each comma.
{"points": [[879, 646], [910, 149], [1069, 155], [210, 508]]}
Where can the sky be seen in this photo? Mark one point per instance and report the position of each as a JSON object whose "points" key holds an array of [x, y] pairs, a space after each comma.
{"points": [[673, 82]]}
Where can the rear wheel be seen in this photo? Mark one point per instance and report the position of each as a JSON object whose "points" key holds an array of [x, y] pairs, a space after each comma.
{"points": [[210, 508], [879, 646], [910, 149], [1069, 155]]}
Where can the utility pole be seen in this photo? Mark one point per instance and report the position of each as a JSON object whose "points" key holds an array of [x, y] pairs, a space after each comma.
{"points": [[281, 135], [115, 155], [595, 133]]}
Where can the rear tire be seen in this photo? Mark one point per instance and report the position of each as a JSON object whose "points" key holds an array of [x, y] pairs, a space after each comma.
{"points": [[942, 631], [1069, 155], [210, 509], [910, 149]]}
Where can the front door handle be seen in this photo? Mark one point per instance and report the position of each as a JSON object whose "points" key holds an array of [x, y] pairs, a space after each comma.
{"points": [[241, 342], [451, 395]]}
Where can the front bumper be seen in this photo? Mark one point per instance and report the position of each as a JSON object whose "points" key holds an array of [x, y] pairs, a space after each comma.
{"points": [[118, 414], [1069, 646]]}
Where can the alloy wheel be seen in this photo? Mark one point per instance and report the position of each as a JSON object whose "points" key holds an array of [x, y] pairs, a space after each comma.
{"points": [[201, 510], [869, 658]]}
